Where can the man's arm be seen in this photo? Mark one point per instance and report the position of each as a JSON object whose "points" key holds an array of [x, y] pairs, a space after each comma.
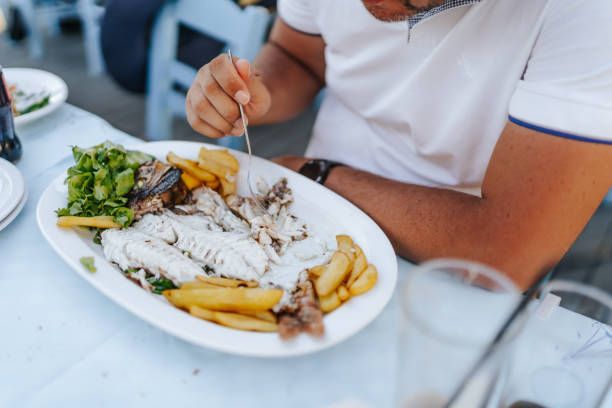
{"points": [[288, 73], [538, 193], [292, 66]]}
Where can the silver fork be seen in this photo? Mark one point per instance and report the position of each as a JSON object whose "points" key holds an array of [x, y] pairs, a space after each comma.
{"points": [[248, 143]]}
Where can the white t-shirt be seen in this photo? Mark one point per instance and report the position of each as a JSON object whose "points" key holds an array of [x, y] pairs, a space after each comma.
{"points": [[425, 102]]}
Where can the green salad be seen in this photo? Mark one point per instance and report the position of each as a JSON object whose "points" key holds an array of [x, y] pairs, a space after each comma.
{"points": [[100, 180]]}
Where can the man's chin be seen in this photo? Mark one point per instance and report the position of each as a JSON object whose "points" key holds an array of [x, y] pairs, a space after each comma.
{"points": [[389, 16]]}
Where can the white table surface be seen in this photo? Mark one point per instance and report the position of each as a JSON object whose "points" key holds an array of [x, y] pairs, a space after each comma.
{"points": [[64, 344]]}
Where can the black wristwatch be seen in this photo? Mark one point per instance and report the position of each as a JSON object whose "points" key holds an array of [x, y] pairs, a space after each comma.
{"points": [[318, 169]]}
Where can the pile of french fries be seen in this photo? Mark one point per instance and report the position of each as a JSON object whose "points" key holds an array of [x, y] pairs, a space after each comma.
{"points": [[347, 274], [215, 168], [228, 302]]}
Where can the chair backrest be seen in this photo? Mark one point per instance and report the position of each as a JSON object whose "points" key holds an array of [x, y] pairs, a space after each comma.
{"points": [[243, 30]]}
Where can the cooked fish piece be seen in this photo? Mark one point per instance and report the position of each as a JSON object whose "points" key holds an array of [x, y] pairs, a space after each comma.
{"points": [[231, 254], [209, 202], [156, 226], [161, 226], [156, 185], [302, 313], [133, 249], [273, 228], [279, 196]]}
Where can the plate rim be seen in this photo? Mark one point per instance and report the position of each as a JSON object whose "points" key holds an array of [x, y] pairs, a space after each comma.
{"points": [[16, 211], [18, 183], [174, 329], [51, 107]]}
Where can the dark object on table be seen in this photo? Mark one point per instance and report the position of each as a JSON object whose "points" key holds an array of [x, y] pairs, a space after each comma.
{"points": [[10, 146], [525, 404], [157, 185]]}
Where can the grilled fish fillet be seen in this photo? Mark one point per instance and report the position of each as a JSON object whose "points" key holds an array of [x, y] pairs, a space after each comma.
{"points": [[210, 203], [132, 249], [230, 254]]}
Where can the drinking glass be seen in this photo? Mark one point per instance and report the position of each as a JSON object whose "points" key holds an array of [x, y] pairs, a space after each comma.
{"points": [[563, 357], [451, 311]]}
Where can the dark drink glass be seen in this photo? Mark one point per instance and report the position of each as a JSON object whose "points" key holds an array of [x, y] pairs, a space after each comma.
{"points": [[10, 146]]}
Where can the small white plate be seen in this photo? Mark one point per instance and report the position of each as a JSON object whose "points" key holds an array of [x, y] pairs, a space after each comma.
{"points": [[12, 188], [9, 218], [36, 80], [313, 203]]}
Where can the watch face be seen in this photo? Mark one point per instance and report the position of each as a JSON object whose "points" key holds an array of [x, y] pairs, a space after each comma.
{"points": [[311, 169]]}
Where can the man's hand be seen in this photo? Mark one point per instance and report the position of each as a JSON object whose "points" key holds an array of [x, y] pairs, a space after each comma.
{"points": [[212, 101]]}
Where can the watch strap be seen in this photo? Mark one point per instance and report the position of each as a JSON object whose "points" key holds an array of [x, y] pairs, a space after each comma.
{"points": [[318, 169]]}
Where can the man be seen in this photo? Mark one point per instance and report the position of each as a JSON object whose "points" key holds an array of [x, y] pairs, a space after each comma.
{"points": [[472, 129]]}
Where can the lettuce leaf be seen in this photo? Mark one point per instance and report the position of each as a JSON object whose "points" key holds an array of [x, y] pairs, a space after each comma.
{"points": [[100, 180]]}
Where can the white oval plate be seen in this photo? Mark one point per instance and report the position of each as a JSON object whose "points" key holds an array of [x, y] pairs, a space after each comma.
{"points": [[36, 80], [12, 188], [342, 323]]}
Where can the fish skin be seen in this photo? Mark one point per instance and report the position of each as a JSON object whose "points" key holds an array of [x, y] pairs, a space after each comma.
{"points": [[156, 185]]}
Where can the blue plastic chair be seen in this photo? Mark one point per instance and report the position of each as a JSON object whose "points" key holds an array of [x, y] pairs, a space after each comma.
{"points": [[39, 15], [243, 30]]}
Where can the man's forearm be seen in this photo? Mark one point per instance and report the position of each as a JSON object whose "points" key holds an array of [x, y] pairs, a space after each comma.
{"points": [[291, 66], [424, 222]]}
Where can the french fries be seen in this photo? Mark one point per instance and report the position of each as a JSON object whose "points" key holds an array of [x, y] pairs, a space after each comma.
{"points": [[333, 275], [347, 274], [343, 293], [96, 222], [364, 282], [227, 187], [266, 315], [213, 167], [225, 299], [345, 244], [190, 181], [317, 270], [213, 184], [329, 302], [216, 169], [190, 167], [242, 322], [221, 157], [226, 282], [234, 320], [198, 285], [358, 266]]}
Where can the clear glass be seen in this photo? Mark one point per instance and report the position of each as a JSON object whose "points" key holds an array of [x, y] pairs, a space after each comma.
{"points": [[451, 311], [563, 357]]}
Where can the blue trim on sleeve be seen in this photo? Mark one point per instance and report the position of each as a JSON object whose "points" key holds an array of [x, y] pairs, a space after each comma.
{"points": [[556, 132]]}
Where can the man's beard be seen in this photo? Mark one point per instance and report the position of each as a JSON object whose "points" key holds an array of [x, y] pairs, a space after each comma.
{"points": [[404, 11]]}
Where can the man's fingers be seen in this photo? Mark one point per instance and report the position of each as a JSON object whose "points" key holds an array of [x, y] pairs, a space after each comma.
{"points": [[200, 121], [244, 69], [207, 112], [226, 75], [222, 103]]}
